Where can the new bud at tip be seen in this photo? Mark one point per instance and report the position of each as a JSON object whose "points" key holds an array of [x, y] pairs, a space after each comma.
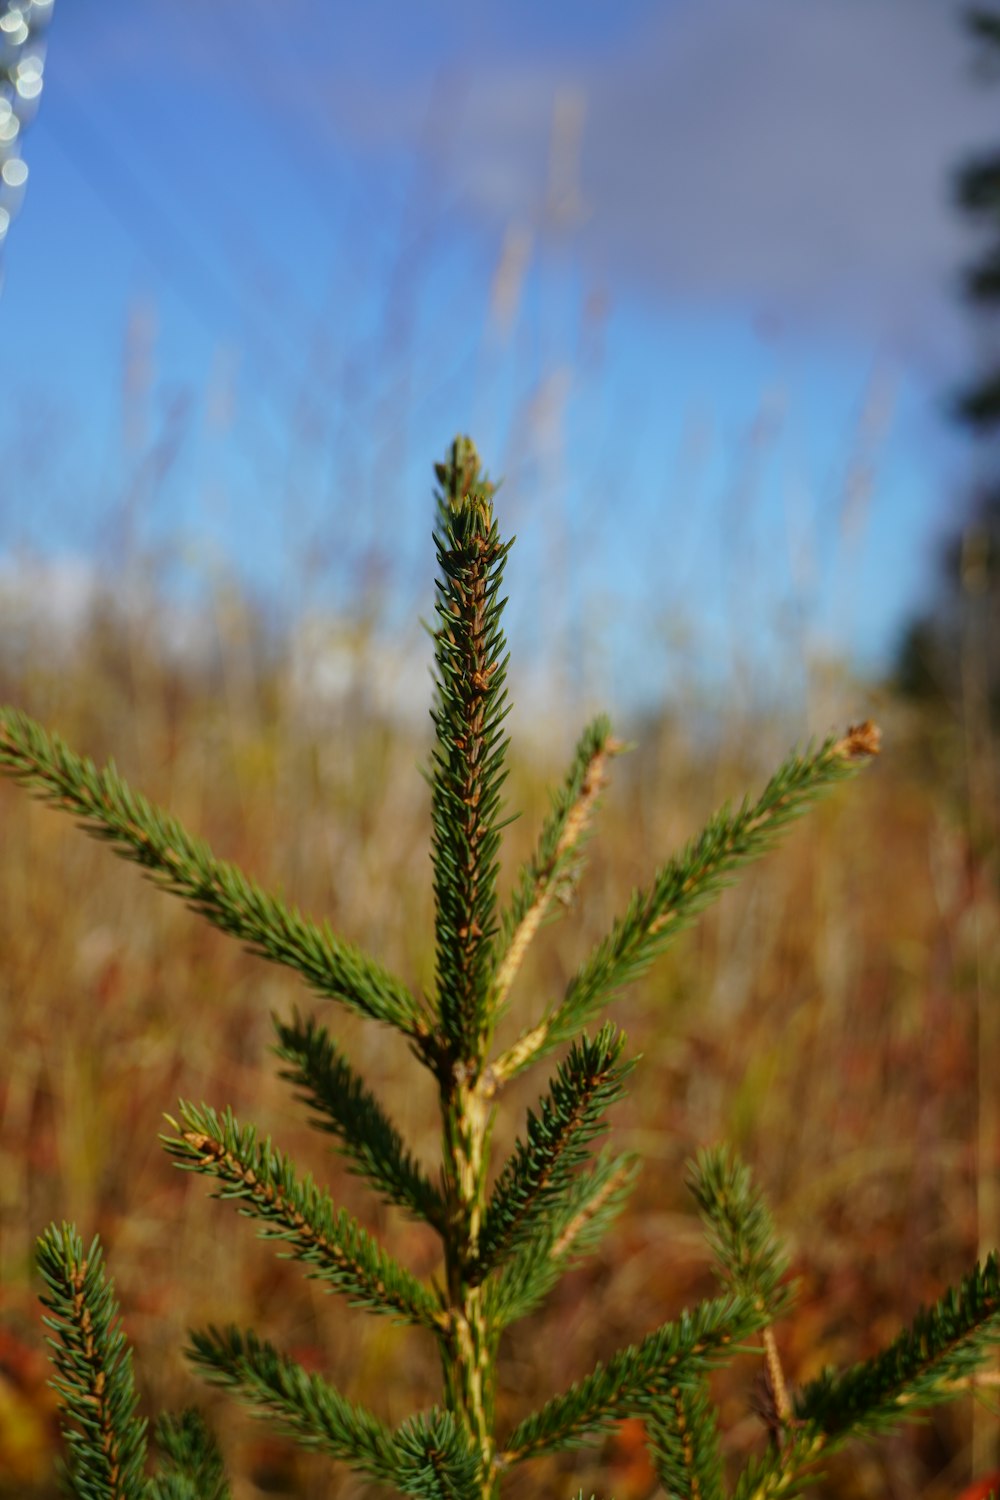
{"points": [[860, 741]]}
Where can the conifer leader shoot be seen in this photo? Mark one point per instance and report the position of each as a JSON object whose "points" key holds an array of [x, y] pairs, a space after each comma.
{"points": [[504, 1248]]}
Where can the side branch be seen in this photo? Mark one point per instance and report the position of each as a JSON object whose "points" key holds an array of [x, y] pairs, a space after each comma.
{"points": [[344, 1107], [929, 1363], [141, 832], [340, 1252], [574, 1223], [782, 1472], [684, 1444], [551, 874], [684, 886], [587, 1083], [428, 1457], [638, 1378], [105, 1438], [304, 1405], [925, 1366]]}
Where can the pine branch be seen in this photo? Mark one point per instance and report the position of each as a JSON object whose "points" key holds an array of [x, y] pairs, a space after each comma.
{"points": [[685, 885], [637, 1378], [586, 1084], [467, 772], [751, 1259], [429, 1457], [684, 1445], [340, 1252], [944, 1344], [192, 1468], [185, 866], [740, 1231], [573, 1225], [550, 877], [105, 1439], [304, 1406], [344, 1107]]}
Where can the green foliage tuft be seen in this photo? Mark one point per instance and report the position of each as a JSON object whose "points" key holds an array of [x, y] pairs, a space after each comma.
{"points": [[435, 1459]]}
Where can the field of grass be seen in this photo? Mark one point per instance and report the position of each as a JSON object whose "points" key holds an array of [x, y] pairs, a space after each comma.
{"points": [[826, 1016]]}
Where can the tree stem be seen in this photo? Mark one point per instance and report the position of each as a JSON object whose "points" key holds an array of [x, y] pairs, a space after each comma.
{"points": [[470, 1362]]}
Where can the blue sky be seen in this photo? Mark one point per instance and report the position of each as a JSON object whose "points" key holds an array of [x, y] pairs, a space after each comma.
{"points": [[686, 270]]}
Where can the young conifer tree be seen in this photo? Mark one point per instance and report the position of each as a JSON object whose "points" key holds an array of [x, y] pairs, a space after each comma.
{"points": [[503, 1247]]}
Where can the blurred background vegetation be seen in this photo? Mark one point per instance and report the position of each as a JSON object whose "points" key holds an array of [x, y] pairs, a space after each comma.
{"points": [[835, 1016]]}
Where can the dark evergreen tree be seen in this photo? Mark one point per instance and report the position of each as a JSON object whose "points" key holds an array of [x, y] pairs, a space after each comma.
{"points": [[977, 189], [950, 655]]}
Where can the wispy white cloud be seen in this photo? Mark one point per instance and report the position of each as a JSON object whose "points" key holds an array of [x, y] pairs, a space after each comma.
{"points": [[789, 159], [793, 160]]}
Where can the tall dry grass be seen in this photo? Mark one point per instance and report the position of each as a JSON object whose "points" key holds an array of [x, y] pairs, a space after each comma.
{"points": [[823, 1016]]}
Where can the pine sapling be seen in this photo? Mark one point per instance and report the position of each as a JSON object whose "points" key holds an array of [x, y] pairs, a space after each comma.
{"points": [[504, 1247]]}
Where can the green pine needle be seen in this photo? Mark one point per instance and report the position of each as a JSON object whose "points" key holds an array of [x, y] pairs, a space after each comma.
{"points": [[185, 866], [330, 1241], [106, 1441], [175, 1485], [344, 1107], [587, 1083]]}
